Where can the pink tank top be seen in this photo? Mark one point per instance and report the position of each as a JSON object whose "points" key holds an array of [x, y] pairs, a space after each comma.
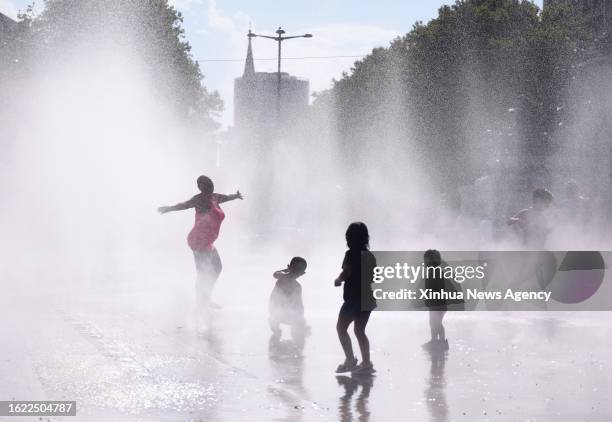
{"points": [[206, 228]]}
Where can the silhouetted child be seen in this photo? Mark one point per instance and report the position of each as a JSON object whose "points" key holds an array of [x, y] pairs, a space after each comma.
{"points": [[286, 306], [437, 307], [359, 301], [534, 224]]}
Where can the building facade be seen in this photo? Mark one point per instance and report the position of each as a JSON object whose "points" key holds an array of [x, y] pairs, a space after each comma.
{"points": [[7, 25], [256, 94]]}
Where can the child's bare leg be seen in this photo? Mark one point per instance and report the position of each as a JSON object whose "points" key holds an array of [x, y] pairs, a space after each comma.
{"points": [[435, 323], [441, 333], [441, 330], [364, 343], [433, 327], [345, 340]]}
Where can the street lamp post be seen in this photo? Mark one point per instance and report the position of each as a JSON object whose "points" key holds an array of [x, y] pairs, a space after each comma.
{"points": [[279, 38]]}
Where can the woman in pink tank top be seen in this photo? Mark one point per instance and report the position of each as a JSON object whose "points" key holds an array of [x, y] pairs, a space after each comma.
{"points": [[206, 227], [201, 238]]}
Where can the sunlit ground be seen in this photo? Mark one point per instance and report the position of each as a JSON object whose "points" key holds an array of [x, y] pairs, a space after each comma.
{"points": [[130, 351]]}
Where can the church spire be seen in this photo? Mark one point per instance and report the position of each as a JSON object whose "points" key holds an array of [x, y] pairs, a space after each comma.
{"points": [[249, 65]]}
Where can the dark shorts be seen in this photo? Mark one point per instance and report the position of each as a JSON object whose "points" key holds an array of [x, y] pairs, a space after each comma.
{"points": [[353, 310], [439, 308]]}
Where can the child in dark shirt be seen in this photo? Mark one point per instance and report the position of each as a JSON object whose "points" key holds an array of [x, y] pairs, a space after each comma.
{"points": [[286, 306], [358, 299]]}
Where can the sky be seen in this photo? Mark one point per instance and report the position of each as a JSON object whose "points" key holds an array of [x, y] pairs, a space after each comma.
{"points": [[216, 29]]}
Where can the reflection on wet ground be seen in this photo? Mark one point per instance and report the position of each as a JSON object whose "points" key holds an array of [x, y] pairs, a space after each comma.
{"points": [[287, 368], [435, 394], [357, 409], [122, 362]]}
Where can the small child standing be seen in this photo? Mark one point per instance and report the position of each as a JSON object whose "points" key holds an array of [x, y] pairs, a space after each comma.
{"points": [[286, 306], [359, 301], [437, 307]]}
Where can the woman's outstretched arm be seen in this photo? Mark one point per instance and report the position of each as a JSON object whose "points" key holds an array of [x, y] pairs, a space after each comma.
{"points": [[225, 198], [179, 207]]}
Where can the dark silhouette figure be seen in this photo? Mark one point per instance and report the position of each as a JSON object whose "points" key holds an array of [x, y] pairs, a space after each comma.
{"points": [[533, 224], [358, 298], [351, 385], [286, 305], [208, 219], [435, 283]]}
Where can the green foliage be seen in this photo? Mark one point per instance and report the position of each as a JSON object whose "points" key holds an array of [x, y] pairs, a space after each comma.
{"points": [[481, 66]]}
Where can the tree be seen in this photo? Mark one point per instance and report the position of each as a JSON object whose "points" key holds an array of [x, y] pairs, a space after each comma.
{"points": [[484, 80], [151, 29]]}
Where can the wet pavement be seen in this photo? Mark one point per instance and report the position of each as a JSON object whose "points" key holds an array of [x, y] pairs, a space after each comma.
{"points": [[123, 356]]}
